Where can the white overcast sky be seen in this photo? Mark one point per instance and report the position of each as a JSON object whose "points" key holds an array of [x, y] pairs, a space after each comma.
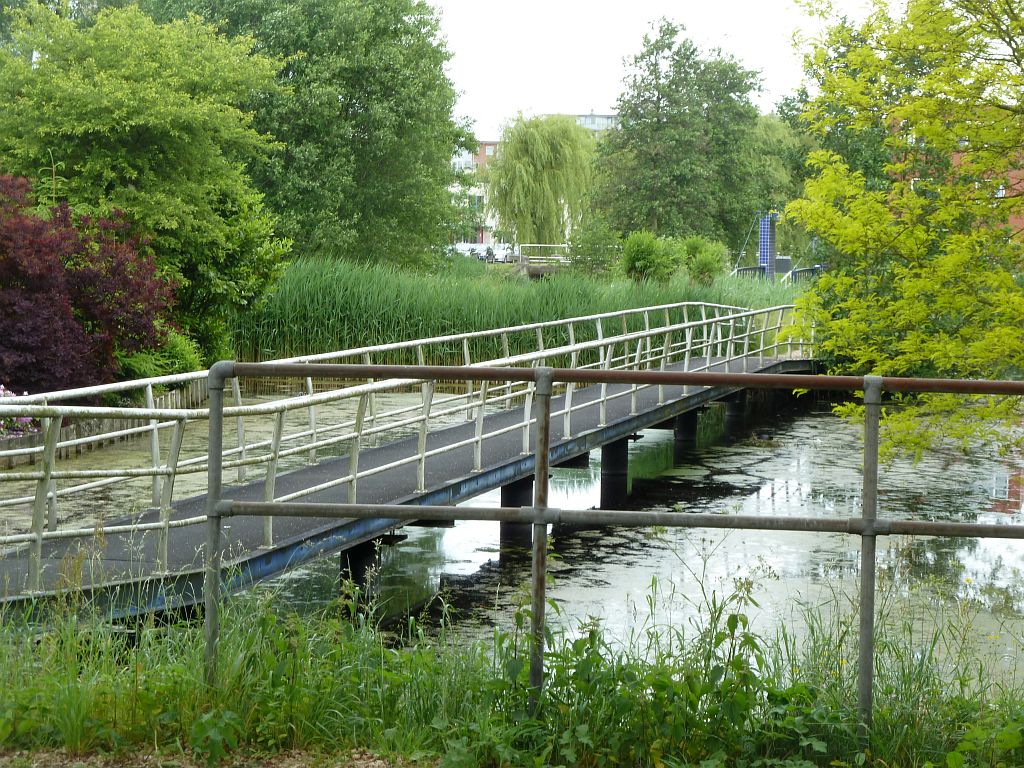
{"points": [[566, 56]]}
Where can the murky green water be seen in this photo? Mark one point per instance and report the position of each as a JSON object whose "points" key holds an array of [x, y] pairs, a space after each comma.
{"points": [[808, 465]]}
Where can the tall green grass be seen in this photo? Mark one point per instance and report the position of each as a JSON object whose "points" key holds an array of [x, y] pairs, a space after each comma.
{"points": [[327, 305], [711, 692]]}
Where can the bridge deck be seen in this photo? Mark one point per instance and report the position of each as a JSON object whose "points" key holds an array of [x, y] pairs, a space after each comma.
{"points": [[129, 561]]}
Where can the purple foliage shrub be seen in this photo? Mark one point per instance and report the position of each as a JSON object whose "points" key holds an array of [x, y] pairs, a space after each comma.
{"points": [[72, 291]]}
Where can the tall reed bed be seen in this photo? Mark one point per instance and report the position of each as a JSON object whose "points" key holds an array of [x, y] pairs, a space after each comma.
{"points": [[711, 693], [326, 305]]}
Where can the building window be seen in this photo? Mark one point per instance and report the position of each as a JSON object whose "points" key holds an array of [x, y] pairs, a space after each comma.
{"points": [[489, 150]]}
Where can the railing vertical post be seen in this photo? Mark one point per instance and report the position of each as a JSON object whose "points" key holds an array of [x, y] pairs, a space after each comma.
{"points": [[353, 457], [270, 482], [505, 353], [527, 409], [745, 345], [764, 330], [540, 534], [778, 331], [312, 422], [608, 352], [792, 343], [466, 361], [636, 367], [427, 390], [373, 395], [478, 445], [666, 351], [154, 444], [647, 338], [869, 511], [211, 576], [51, 428], [573, 362], [168, 495], [236, 392]]}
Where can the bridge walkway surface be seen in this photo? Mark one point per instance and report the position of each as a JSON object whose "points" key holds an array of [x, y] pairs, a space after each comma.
{"points": [[124, 567]]}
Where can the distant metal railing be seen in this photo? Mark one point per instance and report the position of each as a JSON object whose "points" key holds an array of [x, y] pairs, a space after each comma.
{"points": [[803, 273], [758, 271], [544, 254], [693, 337], [868, 526]]}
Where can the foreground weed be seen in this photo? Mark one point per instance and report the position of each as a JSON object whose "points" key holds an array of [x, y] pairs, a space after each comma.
{"points": [[706, 692]]}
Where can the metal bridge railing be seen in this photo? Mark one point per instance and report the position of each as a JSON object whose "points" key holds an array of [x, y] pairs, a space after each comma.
{"points": [[868, 526], [270, 436]]}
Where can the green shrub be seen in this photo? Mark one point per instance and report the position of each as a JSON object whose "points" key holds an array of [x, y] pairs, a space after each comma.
{"points": [[693, 245], [708, 263], [178, 354], [646, 258]]}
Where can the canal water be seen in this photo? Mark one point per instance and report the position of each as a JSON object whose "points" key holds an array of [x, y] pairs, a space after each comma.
{"points": [[807, 464]]}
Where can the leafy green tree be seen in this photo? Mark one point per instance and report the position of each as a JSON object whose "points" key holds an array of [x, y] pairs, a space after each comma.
{"points": [[467, 215], [681, 160], [594, 247], [364, 117], [926, 281], [145, 118], [540, 179]]}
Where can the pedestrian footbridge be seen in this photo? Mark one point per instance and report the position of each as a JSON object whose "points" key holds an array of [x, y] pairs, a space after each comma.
{"points": [[110, 494]]}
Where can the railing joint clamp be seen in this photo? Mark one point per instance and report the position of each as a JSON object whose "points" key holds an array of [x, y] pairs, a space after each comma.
{"points": [[545, 515]]}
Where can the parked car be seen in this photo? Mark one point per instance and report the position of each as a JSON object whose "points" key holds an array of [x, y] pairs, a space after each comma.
{"points": [[503, 252], [469, 249]]}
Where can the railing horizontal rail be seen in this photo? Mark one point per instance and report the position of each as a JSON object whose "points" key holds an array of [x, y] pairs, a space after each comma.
{"points": [[171, 380], [360, 409], [542, 380], [565, 375], [553, 516]]}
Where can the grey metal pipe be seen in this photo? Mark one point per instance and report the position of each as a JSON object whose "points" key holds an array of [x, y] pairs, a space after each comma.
{"points": [[869, 511], [590, 376], [219, 372], [540, 533], [550, 516]]}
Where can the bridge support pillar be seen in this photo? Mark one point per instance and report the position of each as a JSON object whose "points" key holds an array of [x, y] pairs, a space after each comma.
{"points": [[684, 433], [684, 428], [615, 474], [735, 412], [518, 493], [358, 562]]}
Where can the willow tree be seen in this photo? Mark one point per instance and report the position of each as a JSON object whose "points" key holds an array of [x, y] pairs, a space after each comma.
{"points": [[539, 182], [926, 280]]}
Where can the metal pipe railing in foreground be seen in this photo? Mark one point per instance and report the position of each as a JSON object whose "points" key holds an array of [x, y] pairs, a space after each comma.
{"points": [[867, 526]]}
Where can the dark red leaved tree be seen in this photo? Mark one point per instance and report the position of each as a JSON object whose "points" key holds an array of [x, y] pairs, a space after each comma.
{"points": [[71, 293]]}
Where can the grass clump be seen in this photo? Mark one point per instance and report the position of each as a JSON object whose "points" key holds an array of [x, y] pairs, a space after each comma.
{"points": [[711, 693], [327, 305]]}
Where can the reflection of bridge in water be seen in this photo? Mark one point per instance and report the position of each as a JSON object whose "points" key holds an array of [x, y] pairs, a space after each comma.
{"points": [[330, 440]]}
